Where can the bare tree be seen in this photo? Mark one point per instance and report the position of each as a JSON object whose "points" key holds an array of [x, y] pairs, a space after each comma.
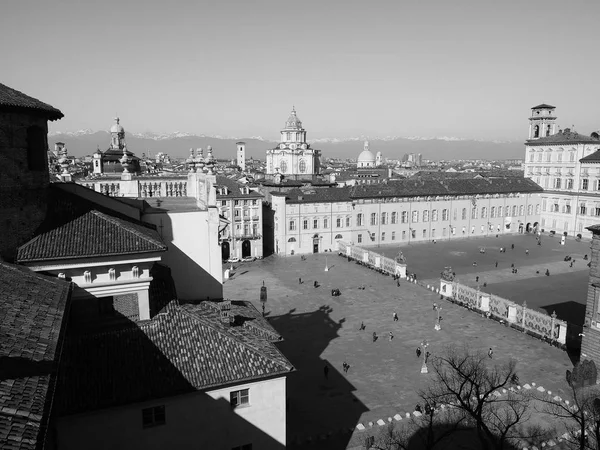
{"points": [[581, 415], [469, 382]]}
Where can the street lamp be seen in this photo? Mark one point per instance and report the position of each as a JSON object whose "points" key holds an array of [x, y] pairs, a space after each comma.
{"points": [[438, 325], [424, 345]]}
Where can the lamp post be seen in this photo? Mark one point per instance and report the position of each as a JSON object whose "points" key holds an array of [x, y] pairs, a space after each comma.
{"points": [[326, 266], [263, 297], [438, 325], [424, 346]]}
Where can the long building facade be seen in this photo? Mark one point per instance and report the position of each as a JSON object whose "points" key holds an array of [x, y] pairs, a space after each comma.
{"points": [[309, 220], [567, 165]]}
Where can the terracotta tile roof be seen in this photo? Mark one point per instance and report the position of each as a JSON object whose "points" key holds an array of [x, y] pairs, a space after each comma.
{"points": [[564, 137], [13, 99], [233, 188], [317, 195], [450, 186], [92, 234], [544, 105], [183, 349], [592, 158], [32, 307]]}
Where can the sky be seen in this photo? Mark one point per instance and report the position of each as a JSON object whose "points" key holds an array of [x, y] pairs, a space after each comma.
{"points": [[470, 69]]}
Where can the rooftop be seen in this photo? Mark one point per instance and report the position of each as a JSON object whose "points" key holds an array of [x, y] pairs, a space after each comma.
{"points": [[185, 348], [591, 158], [93, 233], [233, 188], [544, 105], [32, 307], [566, 137], [13, 99]]}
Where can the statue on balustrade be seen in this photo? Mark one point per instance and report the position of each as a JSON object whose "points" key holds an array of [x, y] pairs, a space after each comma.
{"points": [[400, 258], [447, 274]]}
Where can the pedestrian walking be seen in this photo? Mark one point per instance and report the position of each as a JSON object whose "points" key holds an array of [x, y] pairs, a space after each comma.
{"points": [[512, 246], [496, 264], [316, 284], [326, 371], [299, 280], [391, 336], [398, 283], [395, 317], [490, 352], [527, 251], [477, 279], [362, 326], [374, 336], [418, 352]]}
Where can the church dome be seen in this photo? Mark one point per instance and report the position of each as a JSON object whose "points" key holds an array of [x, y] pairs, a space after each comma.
{"points": [[366, 156], [293, 121], [117, 128]]}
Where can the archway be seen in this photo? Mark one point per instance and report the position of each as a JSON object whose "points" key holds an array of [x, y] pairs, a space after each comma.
{"points": [[520, 227], [528, 227], [316, 243], [225, 250], [535, 227], [246, 249]]}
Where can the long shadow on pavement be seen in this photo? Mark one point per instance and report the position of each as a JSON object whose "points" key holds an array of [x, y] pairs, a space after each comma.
{"points": [[319, 406]]}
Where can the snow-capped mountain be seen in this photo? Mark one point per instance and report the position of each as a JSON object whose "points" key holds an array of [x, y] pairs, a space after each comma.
{"points": [[178, 144]]}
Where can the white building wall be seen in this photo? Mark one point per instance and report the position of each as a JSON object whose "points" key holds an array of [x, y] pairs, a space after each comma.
{"points": [[424, 228], [193, 252], [193, 421]]}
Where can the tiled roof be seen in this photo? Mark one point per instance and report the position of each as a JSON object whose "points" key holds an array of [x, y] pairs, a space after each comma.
{"points": [[184, 349], [13, 99], [233, 188], [564, 137], [91, 234], [544, 105], [318, 195], [32, 307], [591, 158], [450, 186]]}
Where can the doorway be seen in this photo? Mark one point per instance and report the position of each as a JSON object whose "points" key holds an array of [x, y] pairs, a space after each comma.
{"points": [[246, 249], [315, 246], [225, 250]]}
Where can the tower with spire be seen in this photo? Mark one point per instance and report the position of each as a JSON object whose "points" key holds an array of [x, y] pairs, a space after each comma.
{"points": [[293, 156]]}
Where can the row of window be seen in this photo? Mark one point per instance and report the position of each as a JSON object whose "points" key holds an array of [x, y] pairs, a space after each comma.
{"points": [[583, 210], [293, 239], [548, 158], [253, 202], [554, 224], [339, 223], [424, 234]]}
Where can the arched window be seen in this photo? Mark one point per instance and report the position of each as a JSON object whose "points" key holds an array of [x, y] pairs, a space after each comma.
{"points": [[514, 211], [499, 211], [483, 212], [292, 239], [394, 217], [283, 166], [338, 236], [464, 213], [373, 219], [548, 130], [493, 212], [536, 131], [302, 166]]}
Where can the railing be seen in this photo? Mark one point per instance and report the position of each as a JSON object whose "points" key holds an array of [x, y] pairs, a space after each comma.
{"points": [[520, 316], [369, 258], [248, 236], [144, 189]]}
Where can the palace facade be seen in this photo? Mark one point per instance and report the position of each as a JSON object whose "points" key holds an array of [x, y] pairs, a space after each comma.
{"points": [[309, 220], [567, 165]]}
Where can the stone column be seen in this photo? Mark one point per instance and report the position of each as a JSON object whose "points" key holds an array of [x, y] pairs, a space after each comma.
{"points": [[144, 305], [446, 288], [485, 302], [401, 270], [512, 313]]}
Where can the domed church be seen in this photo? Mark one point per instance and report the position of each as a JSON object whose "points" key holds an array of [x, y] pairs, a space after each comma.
{"points": [[293, 155], [110, 160], [366, 159]]}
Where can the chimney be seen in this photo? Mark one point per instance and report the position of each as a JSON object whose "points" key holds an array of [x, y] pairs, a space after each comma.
{"points": [[225, 312]]}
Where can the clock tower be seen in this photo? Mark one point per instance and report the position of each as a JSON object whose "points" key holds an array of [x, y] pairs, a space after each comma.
{"points": [[293, 155]]}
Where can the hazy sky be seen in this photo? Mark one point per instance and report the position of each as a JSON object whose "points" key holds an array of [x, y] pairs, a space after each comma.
{"points": [[376, 68]]}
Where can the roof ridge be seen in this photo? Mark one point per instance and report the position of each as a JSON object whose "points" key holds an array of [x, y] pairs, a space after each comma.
{"points": [[230, 335]]}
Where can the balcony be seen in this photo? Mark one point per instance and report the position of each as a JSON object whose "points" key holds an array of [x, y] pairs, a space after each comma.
{"points": [[237, 219], [243, 237], [255, 217]]}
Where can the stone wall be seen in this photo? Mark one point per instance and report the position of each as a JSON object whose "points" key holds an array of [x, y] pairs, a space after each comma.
{"points": [[127, 304], [590, 345], [22, 189]]}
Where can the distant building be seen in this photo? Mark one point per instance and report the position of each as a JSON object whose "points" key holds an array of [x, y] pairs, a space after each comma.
{"points": [[366, 159], [293, 156], [308, 220], [110, 160], [242, 208], [567, 165], [590, 341], [241, 155]]}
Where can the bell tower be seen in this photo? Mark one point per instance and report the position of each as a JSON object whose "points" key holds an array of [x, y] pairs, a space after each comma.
{"points": [[241, 155], [542, 122]]}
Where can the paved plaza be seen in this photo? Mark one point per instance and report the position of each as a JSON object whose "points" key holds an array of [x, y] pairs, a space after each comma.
{"points": [[384, 376]]}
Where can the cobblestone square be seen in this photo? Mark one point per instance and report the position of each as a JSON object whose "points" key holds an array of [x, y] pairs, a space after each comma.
{"points": [[384, 376]]}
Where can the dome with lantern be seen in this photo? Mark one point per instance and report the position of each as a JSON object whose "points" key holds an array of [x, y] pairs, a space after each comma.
{"points": [[293, 122], [117, 127], [366, 157]]}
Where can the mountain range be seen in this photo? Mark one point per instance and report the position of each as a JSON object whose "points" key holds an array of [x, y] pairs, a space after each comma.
{"points": [[178, 144]]}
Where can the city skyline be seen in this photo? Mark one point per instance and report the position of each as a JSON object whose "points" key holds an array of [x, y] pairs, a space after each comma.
{"points": [[353, 69]]}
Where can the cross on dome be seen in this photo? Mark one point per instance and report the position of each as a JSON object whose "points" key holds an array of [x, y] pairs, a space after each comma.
{"points": [[293, 121]]}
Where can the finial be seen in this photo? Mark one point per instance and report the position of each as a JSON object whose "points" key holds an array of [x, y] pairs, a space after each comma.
{"points": [[117, 118], [293, 109]]}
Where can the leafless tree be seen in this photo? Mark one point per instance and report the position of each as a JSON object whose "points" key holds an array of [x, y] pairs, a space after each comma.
{"points": [[581, 415]]}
